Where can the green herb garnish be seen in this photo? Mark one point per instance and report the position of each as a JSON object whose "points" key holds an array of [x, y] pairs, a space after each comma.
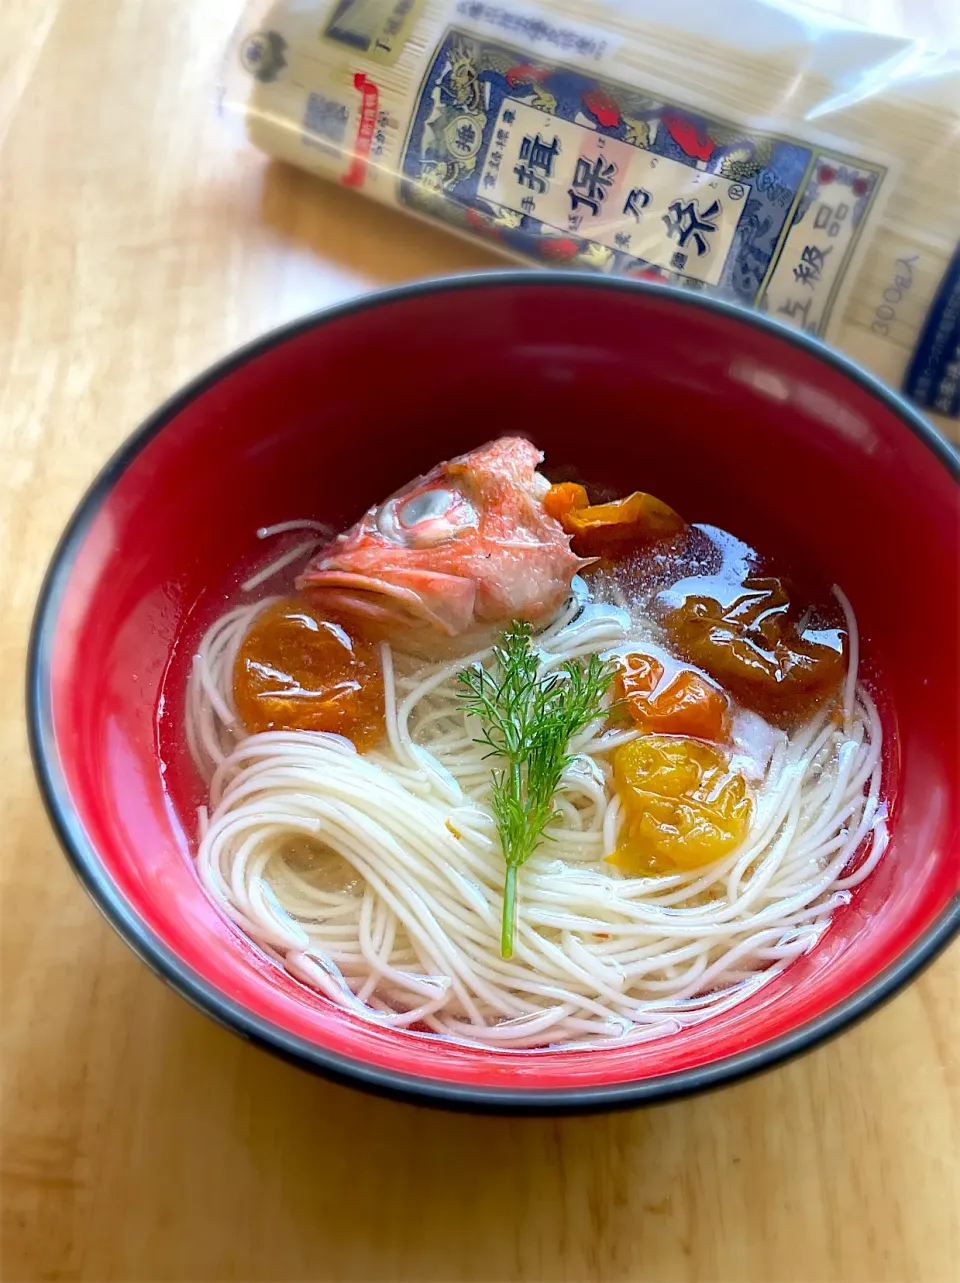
{"points": [[528, 721]]}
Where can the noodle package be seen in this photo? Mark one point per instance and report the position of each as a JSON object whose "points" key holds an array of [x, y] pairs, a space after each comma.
{"points": [[754, 150]]}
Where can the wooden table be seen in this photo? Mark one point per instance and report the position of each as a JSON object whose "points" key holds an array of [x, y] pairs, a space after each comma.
{"points": [[138, 242]]}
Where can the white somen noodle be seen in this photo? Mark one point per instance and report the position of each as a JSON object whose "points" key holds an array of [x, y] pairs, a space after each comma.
{"points": [[377, 879]]}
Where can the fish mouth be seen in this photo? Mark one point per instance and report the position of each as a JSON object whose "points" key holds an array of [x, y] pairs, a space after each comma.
{"points": [[443, 603]]}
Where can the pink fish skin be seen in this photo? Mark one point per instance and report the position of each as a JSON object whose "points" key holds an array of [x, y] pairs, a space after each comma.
{"points": [[453, 557]]}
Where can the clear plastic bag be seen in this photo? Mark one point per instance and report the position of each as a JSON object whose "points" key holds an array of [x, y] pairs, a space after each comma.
{"points": [[754, 149]]}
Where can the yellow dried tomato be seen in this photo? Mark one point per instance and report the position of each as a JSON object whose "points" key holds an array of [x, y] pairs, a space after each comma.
{"points": [[606, 529], [758, 647], [299, 670], [687, 705], [683, 805]]}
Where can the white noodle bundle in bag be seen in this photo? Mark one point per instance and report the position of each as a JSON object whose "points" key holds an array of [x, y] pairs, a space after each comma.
{"points": [[753, 149]]}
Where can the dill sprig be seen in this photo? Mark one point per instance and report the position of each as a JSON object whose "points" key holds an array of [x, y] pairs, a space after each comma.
{"points": [[528, 721]]}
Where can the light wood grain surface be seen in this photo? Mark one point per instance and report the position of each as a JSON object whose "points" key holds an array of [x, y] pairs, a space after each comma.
{"points": [[138, 242]]}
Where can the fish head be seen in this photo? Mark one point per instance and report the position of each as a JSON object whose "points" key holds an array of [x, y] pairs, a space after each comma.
{"points": [[453, 557]]}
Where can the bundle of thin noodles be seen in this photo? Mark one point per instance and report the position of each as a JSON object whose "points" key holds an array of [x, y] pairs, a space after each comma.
{"points": [[377, 878]]}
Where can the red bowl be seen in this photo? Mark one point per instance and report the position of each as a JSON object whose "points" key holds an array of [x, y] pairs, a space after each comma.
{"points": [[727, 416]]}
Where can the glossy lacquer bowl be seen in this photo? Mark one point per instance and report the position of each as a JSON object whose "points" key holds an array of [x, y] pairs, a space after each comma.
{"points": [[731, 419]]}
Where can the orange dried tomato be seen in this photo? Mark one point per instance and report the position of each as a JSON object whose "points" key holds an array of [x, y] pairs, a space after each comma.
{"points": [[606, 529], [299, 670], [759, 648], [562, 499], [687, 705]]}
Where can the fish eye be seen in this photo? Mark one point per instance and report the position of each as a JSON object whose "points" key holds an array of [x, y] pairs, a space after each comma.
{"points": [[426, 505], [426, 517]]}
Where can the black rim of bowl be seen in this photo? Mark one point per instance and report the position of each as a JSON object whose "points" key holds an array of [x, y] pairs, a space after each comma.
{"points": [[309, 1055]]}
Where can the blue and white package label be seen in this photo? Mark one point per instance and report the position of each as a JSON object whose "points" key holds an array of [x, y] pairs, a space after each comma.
{"points": [[568, 166]]}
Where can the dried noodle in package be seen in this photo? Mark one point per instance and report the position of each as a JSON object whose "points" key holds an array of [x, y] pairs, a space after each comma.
{"points": [[753, 149]]}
